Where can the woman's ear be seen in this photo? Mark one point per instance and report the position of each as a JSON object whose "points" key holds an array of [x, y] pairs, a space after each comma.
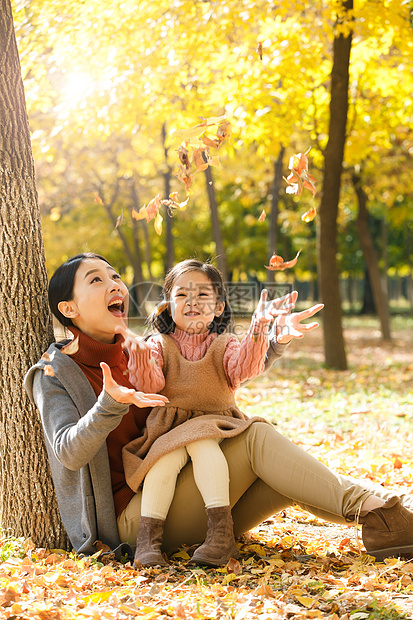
{"points": [[219, 308], [68, 309]]}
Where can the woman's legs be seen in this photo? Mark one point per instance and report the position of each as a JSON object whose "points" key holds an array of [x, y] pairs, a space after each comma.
{"points": [[288, 475]]}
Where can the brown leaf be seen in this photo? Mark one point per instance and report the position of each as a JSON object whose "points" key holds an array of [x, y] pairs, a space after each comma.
{"points": [[224, 132], [100, 546], [309, 215], [259, 50], [263, 215], [98, 199], [234, 566], [48, 370], [46, 357], [277, 262], [199, 160]]}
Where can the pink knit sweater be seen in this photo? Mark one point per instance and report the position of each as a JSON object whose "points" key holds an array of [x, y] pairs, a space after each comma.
{"points": [[242, 360]]}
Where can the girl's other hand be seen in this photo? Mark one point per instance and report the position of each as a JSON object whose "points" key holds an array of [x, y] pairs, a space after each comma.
{"points": [[127, 395], [289, 326], [131, 341]]}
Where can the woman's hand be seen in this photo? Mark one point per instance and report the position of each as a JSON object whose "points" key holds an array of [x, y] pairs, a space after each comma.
{"points": [[267, 310], [129, 396], [288, 326]]}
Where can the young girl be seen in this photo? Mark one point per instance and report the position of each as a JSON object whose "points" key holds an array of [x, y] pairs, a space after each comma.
{"points": [[197, 367]]}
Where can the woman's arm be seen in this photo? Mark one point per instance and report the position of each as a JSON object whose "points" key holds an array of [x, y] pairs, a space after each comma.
{"points": [[75, 439], [72, 438]]}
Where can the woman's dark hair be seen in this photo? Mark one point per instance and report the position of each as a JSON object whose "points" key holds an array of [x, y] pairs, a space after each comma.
{"points": [[62, 282], [161, 318]]}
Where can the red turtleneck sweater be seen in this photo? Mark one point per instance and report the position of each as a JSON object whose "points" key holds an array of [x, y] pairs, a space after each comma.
{"points": [[88, 357]]}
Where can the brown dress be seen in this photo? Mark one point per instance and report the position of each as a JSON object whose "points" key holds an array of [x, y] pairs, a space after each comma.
{"points": [[201, 406]]}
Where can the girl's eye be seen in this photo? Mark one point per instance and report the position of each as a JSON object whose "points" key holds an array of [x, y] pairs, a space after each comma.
{"points": [[96, 279], [180, 295], [116, 276]]}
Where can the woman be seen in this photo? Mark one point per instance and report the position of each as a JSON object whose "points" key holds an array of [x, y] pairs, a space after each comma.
{"points": [[90, 411]]}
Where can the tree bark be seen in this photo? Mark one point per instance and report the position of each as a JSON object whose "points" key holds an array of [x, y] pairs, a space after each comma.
{"points": [[216, 228], [334, 350], [28, 504], [371, 258]]}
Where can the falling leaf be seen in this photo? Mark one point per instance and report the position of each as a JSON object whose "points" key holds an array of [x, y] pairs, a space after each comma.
{"points": [[262, 216], [199, 160], [158, 224], [224, 132], [72, 347], [98, 199], [397, 463], [212, 144], [139, 215], [119, 220], [153, 207], [299, 177], [277, 262], [309, 215], [259, 50], [192, 132], [48, 370]]}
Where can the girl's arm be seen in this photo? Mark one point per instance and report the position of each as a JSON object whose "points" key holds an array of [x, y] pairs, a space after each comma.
{"points": [[75, 440], [145, 364], [244, 361]]}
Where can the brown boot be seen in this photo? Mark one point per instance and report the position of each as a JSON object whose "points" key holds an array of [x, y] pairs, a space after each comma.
{"points": [[388, 530], [149, 541], [219, 545]]}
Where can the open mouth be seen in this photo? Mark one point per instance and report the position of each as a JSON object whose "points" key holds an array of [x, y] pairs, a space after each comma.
{"points": [[117, 307], [192, 313]]}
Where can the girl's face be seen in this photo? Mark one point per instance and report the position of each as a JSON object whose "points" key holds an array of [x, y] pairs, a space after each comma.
{"points": [[194, 302], [100, 300]]}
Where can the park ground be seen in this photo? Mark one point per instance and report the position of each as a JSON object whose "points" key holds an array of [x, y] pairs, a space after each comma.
{"points": [[358, 421]]}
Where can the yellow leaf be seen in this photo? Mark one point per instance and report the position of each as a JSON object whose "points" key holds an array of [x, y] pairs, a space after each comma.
{"points": [[97, 597], [182, 553], [228, 578], [306, 601], [158, 224]]}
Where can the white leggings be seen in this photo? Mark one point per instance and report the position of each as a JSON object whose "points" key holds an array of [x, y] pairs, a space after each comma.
{"points": [[210, 473]]}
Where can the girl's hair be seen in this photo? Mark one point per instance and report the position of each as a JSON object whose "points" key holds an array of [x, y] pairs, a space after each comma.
{"points": [[62, 282], [161, 318]]}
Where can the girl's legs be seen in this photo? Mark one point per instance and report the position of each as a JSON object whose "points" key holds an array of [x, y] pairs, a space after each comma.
{"points": [[212, 479], [159, 484], [210, 472], [157, 494]]}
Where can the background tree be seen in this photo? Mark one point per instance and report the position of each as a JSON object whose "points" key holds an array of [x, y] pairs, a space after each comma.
{"points": [[27, 501]]}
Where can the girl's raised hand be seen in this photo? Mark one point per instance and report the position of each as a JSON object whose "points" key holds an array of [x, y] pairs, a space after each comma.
{"points": [[267, 310], [289, 326], [129, 396], [131, 341]]}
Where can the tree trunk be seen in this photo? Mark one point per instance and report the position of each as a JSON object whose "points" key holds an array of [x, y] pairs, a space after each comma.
{"points": [[334, 350], [170, 249], [216, 228], [28, 504], [370, 256]]}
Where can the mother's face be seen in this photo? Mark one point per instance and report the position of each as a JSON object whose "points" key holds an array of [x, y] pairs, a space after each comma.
{"points": [[100, 300]]}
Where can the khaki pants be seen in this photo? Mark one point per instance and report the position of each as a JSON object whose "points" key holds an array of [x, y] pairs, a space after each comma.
{"points": [[267, 474]]}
